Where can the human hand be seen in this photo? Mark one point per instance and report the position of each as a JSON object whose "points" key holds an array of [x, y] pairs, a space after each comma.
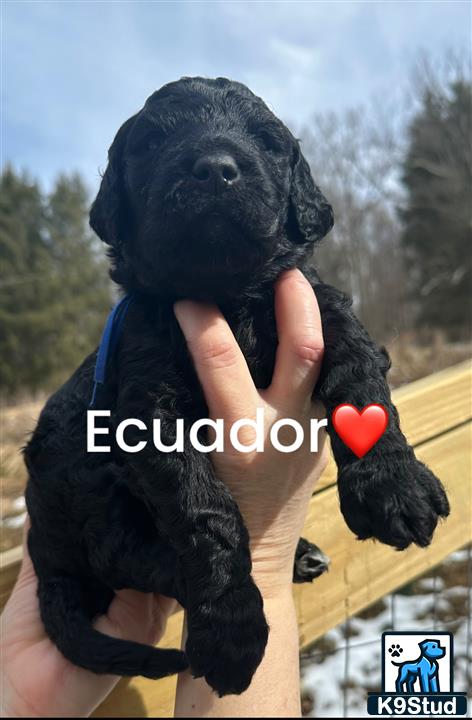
{"points": [[272, 488], [36, 679]]}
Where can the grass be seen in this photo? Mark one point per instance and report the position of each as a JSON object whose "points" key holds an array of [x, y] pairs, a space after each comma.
{"points": [[16, 422]]}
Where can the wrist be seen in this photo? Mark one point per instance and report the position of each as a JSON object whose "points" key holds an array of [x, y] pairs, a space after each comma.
{"points": [[273, 555], [273, 573]]}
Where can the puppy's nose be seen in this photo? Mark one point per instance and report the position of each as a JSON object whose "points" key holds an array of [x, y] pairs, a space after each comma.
{"points": [[216, 170]]}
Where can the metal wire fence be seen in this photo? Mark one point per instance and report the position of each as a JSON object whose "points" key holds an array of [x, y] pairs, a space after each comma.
{"points": [[347, 648]]}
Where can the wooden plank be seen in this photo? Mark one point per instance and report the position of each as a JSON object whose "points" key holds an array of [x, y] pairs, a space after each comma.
{"points": [[362, 572], [436, 403]]}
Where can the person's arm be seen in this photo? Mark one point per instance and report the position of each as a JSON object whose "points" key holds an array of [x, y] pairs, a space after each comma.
{"points": [[272, 488], [275, 688], [35, 679]]}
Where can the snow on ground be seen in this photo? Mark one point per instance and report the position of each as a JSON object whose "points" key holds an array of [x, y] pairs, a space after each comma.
{"points": [[438, 601]]}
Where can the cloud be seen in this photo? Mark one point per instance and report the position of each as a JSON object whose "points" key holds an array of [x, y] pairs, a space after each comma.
{"points": [[74, 71]]}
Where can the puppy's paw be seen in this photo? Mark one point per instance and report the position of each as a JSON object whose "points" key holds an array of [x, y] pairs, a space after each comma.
{"points": [[310, 562], [394, 498], [227, 639]]}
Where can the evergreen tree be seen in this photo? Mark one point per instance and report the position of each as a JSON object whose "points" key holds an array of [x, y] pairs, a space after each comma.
{"points": [[437, 221], [80, 284], [23, 285], [54, 288]]}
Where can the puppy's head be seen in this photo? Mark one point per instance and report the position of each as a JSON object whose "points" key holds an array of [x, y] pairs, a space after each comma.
{"points": [[206, 193]]}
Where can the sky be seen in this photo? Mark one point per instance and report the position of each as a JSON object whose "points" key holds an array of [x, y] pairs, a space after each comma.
{"points": [[73, 71]]}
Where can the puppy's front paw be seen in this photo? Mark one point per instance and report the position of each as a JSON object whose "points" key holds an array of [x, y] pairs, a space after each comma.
{"points": [[227, 638], [393, 498]]}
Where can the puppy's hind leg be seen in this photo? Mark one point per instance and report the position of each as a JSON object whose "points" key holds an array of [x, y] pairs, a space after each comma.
{"points": [[124, 548], [310, 562], [195, 513], [68, 624]]}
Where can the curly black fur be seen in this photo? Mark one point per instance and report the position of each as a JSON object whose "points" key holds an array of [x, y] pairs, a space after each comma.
{"points": [[164, 522]]}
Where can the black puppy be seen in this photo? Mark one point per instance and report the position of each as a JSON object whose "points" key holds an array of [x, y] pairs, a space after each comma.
{"points": [[206, 196]]}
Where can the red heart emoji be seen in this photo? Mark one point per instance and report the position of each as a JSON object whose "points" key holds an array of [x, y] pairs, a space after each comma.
{"points": [[360, 430]]}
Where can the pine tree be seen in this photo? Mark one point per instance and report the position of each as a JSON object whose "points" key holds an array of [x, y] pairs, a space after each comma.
{"points": [[79, 273], [54, 287], [437, 221], [25, 269]]}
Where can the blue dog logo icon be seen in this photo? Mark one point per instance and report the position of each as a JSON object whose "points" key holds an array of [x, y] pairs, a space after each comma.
{"points": [[425, 669], [422, 687]]}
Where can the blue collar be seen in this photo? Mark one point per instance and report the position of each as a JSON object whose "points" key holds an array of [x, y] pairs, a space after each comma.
{"points": [[111, 334]]}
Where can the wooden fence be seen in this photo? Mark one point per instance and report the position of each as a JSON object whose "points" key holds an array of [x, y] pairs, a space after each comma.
{"points": [[436, 416]]}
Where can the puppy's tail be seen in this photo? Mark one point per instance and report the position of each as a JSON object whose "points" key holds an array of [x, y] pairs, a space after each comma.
{"points": [[69, 626]]}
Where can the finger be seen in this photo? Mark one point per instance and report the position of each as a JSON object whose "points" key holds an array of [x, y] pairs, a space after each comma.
{"points": [[300, 350], [129, 616], [221, 368], [164, 605]]}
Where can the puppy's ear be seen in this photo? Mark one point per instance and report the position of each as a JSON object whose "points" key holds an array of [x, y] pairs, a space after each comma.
{"points": [[310, 214], [108, 213]]}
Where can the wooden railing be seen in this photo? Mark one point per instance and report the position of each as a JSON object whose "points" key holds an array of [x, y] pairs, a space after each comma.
{"points": [[436, 416]]}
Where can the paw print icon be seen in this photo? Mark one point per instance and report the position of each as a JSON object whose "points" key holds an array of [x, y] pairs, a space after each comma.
{"points": [[395, 650]]}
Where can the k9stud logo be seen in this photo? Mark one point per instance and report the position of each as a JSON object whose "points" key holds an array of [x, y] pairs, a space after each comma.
{"points": [[417, 676]]}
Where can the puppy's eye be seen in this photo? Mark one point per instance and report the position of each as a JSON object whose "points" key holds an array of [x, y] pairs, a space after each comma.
{"points": [[270, 141], [148, 142], [153, 143]]}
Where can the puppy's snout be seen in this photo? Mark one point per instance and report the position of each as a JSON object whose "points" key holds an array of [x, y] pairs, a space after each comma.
{"points": [[216, 171]]}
